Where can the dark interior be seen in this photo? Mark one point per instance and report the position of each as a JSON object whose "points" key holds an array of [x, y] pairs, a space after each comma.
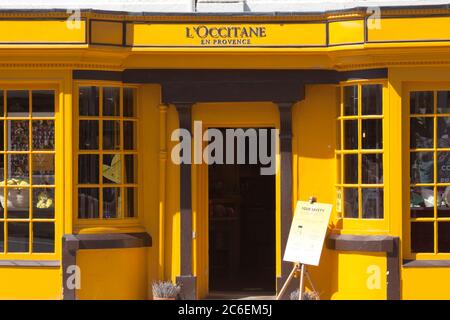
{"points": [[241, 228]]}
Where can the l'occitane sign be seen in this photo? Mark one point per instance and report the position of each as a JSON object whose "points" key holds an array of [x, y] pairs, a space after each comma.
{"points": [[227, 35]]}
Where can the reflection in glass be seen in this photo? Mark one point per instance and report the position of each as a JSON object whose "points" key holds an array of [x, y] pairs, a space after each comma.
{"points": [[88, 168], [422, 237], [129, 135], [43, 237], [372, 99], [421, 132], [422, 202], [18, 169], [43, 134], [111, 135], [18, 203], [372, 203], [444, 237], [130, 202], [350, 100], [130, 168], [111, 203], [443, 134], [18, 103], [88, 200], [2, 203], [421, 102], [43, 203], [43, 169], [422, 167], [88, 101], [443, 167], [2, 104], [351, 202], [2, 169], [88, 135], [351, 168], [18, 135], [443, 202], [43, 103], [112, 168], [351, 134], [372, 134], [111, 101], [2, 135], [18, 237], [129, 102], [443, 103], [2, 237], [372, 168]]}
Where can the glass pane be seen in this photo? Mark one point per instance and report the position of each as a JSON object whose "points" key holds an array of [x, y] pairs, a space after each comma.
{"points": [[2, 237], [111, 101], [443, 134], [43, 237], [2, 135], [18, 203], [372, 99], [372, 168], [351, 202], [422, 202], [422, 167], [18, 236], [88, 101], [88, 168], [129, 102], [422, 236], [2, 169], [43, 103], [351, 101], [111, 135], [88, 135], [421, 133], [372, 134], [18, 135], [112, 168], [443, 103], [444, 236], [421, 102], [18, 169], [443, 167], [338, 135], [43, 169], [18, 103], [351, 168], [2, 203], [350, 134], [130, 168], [130, 202], [372, 203], [88, 200], [43, 203], [43, 134], [111, 203], [2, 103], [129, 135]]}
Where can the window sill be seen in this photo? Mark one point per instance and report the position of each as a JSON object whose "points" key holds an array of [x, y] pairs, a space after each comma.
{"points": [[30, 263], [426, 263]]}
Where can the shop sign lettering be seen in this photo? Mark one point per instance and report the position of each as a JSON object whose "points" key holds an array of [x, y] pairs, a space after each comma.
{"points": [[225, 35]]}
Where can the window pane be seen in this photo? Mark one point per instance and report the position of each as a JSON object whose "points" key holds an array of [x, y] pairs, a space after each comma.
{"points": [[421, 102], [43, 135], [88, 200], [372, 134], [443, 167], [111, 101], [422, 167], [88, 101], [2, 169], [351, 168], [43, 169], [350, 134], [338, 135], [2, 103], [421, 133], [129, 102], [372, 99], [43, 103], [372, 203], [130, 168], [2, 202], [18, 135], [129, 135], [18, 169], [422, 236], [443, 202], [422, 202], [43, 237], [18, 203], [88, 135], [351, 101], [2, 237], [88, 168], [130, 202], [372, 168], [351, 202], [111, 203], [18, 103], [444, 236], [2, 135], [43, 203], [18, 236], [443, 103], [112, 168], [111, 135]]}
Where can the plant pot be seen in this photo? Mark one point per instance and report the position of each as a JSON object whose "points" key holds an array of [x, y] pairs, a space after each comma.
{"points": [[18, 199]]}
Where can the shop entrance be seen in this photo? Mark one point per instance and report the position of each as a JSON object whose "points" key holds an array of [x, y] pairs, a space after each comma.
{"points": [[242, 224]]}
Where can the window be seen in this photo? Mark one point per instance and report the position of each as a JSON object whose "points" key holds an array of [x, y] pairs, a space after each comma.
{"points": [[27, 171], [360, 152], [107, 159], [429, 171]]}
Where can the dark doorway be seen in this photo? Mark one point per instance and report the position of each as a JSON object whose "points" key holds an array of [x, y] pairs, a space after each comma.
{"points": [[242, 225]]}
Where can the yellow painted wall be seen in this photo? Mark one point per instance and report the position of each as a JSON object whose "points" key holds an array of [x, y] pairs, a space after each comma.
{"points": [[426, 283]]}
